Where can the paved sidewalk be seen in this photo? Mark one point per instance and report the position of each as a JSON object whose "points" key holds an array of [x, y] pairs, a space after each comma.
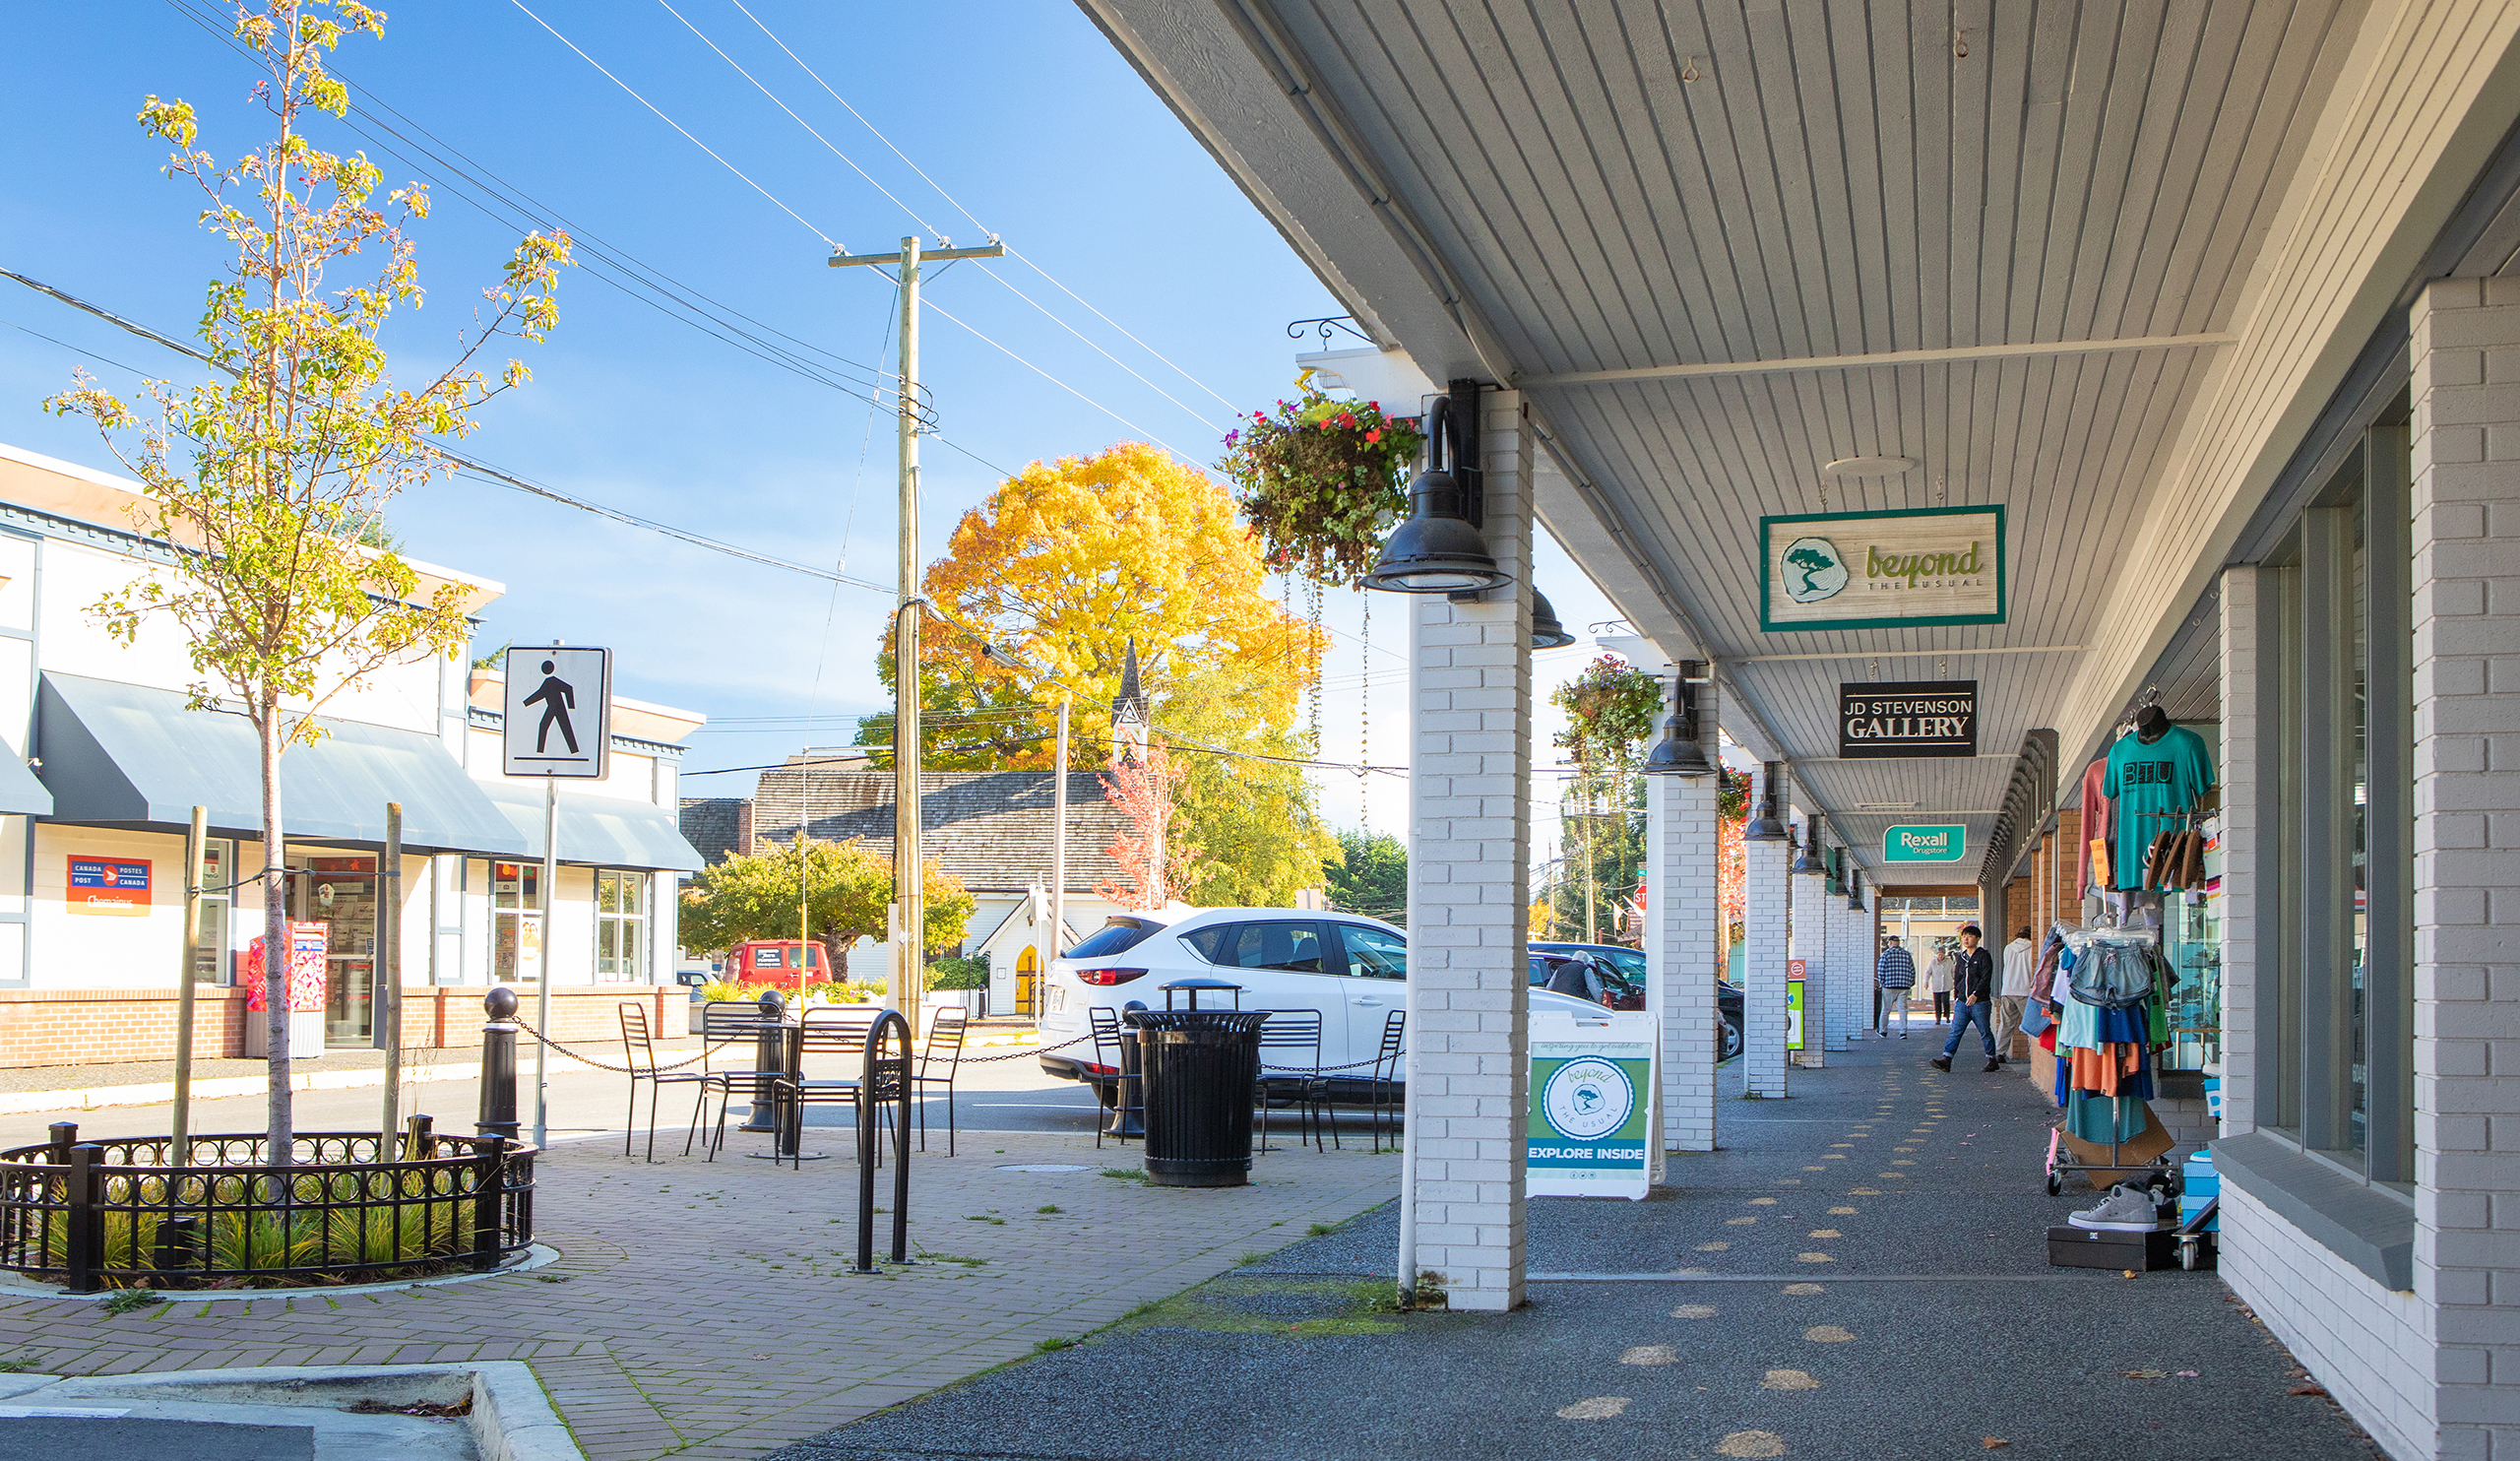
{"points": [[701, 1309], [1861, 1273]]}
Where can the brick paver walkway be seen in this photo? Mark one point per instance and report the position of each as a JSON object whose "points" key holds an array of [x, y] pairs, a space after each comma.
{"points": [[706, 1310]]}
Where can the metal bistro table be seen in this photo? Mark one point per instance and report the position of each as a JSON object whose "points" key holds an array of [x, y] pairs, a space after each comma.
{"points": [[779, 1061]]}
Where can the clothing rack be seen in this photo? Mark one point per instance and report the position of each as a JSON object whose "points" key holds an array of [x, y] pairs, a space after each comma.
{"points": [[2079, 942]]}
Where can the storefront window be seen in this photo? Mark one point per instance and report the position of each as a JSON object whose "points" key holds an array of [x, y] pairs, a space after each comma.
{"points": [[2192, 940], [516, 921], [620, 923], [341, 894], [211, 962]]}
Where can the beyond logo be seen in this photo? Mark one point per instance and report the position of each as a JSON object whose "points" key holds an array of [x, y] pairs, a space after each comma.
{"points": [[1813, 570], [1914, 566]]}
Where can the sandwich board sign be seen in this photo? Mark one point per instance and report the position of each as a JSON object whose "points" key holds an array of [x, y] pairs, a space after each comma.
{"points": [[558, 712], [1594, 1128]]}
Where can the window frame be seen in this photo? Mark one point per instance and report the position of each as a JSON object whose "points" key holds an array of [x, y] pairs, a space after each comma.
{"points": [[637, 923]]}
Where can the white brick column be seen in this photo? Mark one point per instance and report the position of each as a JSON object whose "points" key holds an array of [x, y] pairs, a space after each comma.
{"points": [[1468, 899], [2465, 497], [1850, 969], [1763, 918], [2238, 763], [1684, 938], [1808, 934]]}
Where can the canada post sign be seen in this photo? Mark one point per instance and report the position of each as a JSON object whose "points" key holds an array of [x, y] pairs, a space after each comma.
{"points": [[1868, 570], [1908, 717]]}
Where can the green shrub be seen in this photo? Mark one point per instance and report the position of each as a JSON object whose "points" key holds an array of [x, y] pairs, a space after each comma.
{"points": [[947, 975]]}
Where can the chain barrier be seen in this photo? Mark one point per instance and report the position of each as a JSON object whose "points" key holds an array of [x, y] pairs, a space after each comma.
{"points": [[527, 1026], [1321, 1069]]}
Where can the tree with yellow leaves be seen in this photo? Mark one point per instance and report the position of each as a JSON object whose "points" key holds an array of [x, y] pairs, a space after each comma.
{"points": [[1069, 561]]}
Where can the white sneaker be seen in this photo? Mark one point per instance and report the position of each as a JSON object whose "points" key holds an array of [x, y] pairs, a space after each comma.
{"points": [[2126, 1209]]}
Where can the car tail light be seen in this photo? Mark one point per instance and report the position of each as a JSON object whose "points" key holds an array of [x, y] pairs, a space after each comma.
{"points": [[1094, 1069], [1105, 978]]}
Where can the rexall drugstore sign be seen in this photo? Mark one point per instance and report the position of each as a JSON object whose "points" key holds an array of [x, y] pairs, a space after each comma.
{"points": [[1592, 1128], [1861, 570], [1947, 842]]}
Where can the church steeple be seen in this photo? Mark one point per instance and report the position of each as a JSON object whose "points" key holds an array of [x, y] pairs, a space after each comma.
{"points": [[1128, 713]]}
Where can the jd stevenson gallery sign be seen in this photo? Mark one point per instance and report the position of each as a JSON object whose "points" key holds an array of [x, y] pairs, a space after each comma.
{"points": [[1865, 570], [1909, 718]]}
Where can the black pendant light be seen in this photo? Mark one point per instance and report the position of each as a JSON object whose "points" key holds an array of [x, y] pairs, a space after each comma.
{"points": [[1678, 753], [1854, 889], [1810, 863], [1439, 549], [1765, 827], [1546, 632]]}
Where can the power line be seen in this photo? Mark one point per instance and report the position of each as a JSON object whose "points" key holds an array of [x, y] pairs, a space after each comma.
{"points": [[677, 126], [984, 227]]}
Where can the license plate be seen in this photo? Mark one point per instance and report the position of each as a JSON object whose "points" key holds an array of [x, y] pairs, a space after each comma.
{"points": [[1058, 999]]}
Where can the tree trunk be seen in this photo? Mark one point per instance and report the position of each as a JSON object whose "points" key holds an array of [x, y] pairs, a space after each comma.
{"points": [[278, 1126]]}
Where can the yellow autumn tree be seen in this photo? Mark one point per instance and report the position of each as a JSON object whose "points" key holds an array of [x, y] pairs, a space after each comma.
{"points": [[1067, 562]]}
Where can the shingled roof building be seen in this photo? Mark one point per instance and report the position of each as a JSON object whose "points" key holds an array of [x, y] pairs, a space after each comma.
{"points": [[989, 829]]}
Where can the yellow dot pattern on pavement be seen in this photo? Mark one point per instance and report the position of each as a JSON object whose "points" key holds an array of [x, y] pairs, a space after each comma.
{"points": [[1827, 1334], [1694, 1311], [1650, 1353], [1788, 1380], [1598, 1408], [1751, 1444]]}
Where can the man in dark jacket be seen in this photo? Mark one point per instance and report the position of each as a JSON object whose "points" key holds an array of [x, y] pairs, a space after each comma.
{"points": [[1972, 992]]}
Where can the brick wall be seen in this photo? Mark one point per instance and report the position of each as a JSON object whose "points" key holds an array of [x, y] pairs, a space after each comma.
{"points": [[1808, 934], [85, 1027], [1468, 901], [1763, 918], [2465, 348], [2368, 1346]]}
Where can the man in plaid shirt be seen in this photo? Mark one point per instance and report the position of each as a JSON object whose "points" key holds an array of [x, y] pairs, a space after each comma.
{"points": [[1892, 978]]}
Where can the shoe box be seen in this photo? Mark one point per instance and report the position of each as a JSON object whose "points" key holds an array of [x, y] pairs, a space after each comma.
{"points": [[2070, 1247]]}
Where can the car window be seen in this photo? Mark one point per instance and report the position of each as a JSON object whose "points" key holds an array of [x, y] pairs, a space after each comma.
{"points": [[1374, 953], [1629, 963], [1539, 971], [1117, 936], [1208, 942], [1289, 945]]}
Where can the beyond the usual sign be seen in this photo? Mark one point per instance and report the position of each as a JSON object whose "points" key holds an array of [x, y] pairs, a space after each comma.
{"points": [[1910, 717], [1866, 570]]}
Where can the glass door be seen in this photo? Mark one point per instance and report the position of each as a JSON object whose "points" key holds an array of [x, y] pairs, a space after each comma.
{"points": [[341, 894], [516, 922]]}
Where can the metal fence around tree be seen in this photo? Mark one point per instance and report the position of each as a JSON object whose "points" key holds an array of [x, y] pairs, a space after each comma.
{"points": [[118, 1214]]}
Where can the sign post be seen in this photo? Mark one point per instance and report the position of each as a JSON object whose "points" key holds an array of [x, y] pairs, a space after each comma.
{"points": [[558, 723], [1593, 1129]]}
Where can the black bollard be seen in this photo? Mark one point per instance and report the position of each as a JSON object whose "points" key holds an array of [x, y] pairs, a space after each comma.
{"points": [[770, 1057], [65, 1136], [498, 1065]]}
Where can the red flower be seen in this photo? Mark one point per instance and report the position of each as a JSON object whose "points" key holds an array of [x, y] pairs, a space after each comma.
{"points": [[1374, 436]]}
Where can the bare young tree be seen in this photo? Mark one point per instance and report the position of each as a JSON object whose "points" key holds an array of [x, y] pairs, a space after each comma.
{"points": [[272, 481]]}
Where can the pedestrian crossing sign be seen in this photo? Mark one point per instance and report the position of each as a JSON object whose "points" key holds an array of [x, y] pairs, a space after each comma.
{"points": [[558, 712]]}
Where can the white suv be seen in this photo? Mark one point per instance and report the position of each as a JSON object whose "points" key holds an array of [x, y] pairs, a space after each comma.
{"points": [[1352, 969]]}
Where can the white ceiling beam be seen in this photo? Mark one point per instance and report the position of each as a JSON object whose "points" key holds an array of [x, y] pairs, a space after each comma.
{"points": [[1879, 360]]}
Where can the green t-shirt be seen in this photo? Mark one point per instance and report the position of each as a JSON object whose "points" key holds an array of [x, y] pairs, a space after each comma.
{"points": [[2151, 782]]}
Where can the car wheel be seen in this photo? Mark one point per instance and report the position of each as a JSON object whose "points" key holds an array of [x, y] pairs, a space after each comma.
{"points": [[1728, 1039]]}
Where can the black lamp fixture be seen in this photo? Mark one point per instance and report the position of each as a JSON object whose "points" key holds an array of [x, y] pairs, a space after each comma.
{"points": [[1679, 753], [1854, 889], [1765, 827], [1439, 549], [1546, 632], [1809, 862]]}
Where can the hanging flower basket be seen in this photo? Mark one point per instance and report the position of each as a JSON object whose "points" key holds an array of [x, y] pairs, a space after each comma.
{"points": [[1322, 482]]}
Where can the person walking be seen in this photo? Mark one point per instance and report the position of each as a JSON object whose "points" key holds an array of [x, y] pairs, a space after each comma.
{"points": [[1973, 987], [1938, 981], [1893, 978], [2020, 957]]}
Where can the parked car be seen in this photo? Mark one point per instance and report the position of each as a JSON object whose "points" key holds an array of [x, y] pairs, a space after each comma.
{"points": [[1630, 965], [1349, 967], [1617, 992]]}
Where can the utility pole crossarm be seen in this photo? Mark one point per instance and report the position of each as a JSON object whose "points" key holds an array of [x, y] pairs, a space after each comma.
{"points": [[925, 256]]}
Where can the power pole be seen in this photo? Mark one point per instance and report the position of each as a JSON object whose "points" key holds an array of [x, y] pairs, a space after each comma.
{"points": [[907, 980]]}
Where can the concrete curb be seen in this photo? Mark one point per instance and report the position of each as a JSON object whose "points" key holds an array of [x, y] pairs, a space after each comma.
{"points": [[535, 1256], [512, 1418]]}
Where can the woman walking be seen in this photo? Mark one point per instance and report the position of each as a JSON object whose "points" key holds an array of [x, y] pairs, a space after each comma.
{"points": [[1938, 981]]}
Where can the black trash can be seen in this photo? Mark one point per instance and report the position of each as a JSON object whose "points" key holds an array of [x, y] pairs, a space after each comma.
{"points": [[1201, 1069]]}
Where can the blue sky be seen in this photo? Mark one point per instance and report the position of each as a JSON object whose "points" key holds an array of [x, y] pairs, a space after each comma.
{"points": [[1023, 112]]}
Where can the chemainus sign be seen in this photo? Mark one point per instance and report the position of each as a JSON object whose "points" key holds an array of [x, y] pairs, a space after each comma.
{"points": [[1860, 570], [1911, 718]]}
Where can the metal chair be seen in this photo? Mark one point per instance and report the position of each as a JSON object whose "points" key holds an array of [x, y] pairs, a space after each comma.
{"points": [[1388, 1074], [829, 1030], [1291, 1038], [638, 1053], [1105, 1023], [945, 1031], [726, 1022]]}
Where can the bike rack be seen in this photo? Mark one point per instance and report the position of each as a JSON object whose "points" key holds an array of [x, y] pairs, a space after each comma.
{"points": [[884, 1078]]}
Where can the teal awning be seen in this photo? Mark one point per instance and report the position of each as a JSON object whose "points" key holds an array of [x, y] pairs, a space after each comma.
{"points": [[20, 792], [601, 831], [118, 755]]}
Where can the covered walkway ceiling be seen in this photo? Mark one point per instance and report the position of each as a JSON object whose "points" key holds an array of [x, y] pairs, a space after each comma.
{"points": [[1724, 244]]}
